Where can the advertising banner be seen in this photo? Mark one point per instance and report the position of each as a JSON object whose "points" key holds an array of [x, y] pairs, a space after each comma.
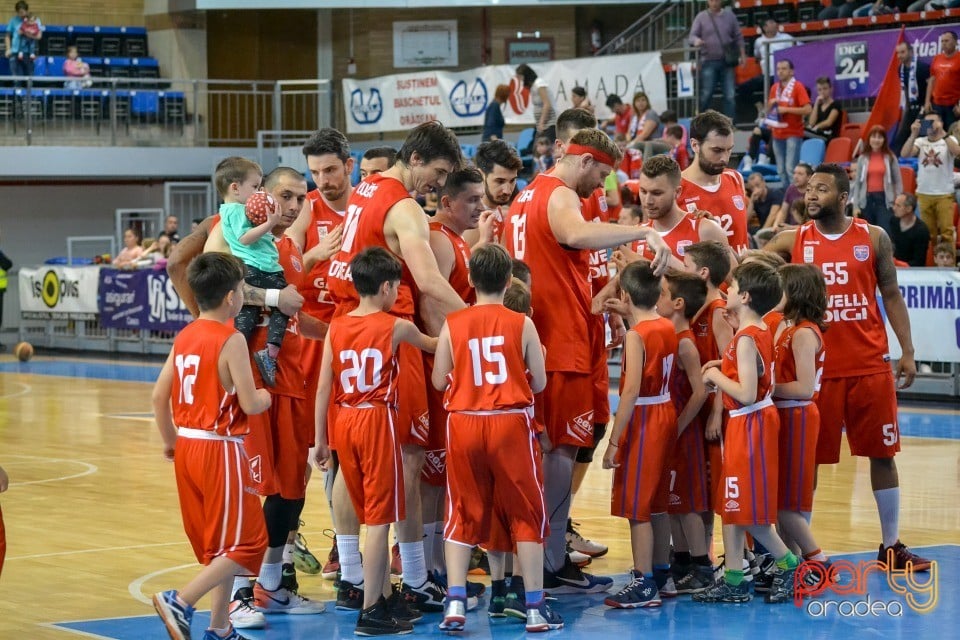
{"points": [[140, 300], [933, 302], [459, 99], [58, 292]]}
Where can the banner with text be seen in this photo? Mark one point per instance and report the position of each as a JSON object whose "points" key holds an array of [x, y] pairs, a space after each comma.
{"points": [[459, 99], [58, 292], [859, 60], [140, 300], [933, 302]]}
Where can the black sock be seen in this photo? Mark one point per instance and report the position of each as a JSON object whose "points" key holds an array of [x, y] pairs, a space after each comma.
{"points": [[701, 561], [516, 585], [498, 588], [681, 557]]}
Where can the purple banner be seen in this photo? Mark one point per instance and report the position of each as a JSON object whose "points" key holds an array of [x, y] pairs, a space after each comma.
{"points": [[140, 300], [857, 62]]}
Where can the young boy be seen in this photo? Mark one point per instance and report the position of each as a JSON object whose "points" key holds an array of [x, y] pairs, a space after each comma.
{"points": [[944, 257], [744, 378], [237, 179], [681, 296], [673, 136], [644, 434], [208, 380], [359, 353], [484, 356]]}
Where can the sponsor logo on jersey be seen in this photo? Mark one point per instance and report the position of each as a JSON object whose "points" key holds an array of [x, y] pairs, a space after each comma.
{"points": [[366, 108], [602, 201], [861, 252], [434, 463], [808, 254], [674, 499], [732, 505], [582, 426], [682, 247], [738, 202], [296, 264], [256, 469]]}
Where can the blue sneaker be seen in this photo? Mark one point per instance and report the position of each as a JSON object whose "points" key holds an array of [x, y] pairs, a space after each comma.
{"points": [[210, 634], [572, 579], [540, 617], [176, 616], [267, 367], [640, 592], [454, 614]]}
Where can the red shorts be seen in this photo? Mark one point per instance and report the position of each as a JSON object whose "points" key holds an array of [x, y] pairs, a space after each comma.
{"points": [[867, 407], [278, 446], [714, 450], [493, 461], [221, 514], [435, 459], [799, 427], [689, 491], [500, 538], [641, 484], [568, 408], [750, 445], [597, 329], [413, 420], [368, 450]]}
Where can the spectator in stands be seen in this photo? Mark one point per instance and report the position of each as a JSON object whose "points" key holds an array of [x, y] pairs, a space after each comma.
{"points": [[493, 118], [131, 252], [5, 265], [74, 67], [801, 175], [943, 88], [880, 7], [914, 75], [841, 9], [763, 203], [543, 155], [944, 256], [669, 117], [674, 136], [632, 160], [377, 160], [909, 235], [876, 181], [622, 115], [716, 32], [935, 191], [630, 216], [770, 41], [157, 253], [763, 236], [787, 106], [579, 99], [21, 40], [194, 224], [824, 119], [644, 123], [544, 106], [171, 229]]}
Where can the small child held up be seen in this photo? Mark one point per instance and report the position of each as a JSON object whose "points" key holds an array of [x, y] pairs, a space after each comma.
{"points": [[205, 388], [236, 180], [359, 369]]}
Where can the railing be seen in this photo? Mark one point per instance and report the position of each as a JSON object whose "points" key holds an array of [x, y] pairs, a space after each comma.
{"points": [[663, 27], [151, 112]]}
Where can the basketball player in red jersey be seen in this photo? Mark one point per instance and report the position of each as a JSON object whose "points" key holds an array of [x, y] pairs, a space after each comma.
{"points": [[380, 212], [500, 165], [708, 185], [546, 229], [377, 160], [858, 389]]}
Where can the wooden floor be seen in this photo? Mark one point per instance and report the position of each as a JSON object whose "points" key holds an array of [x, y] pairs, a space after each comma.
{"points": [[93, 525]]}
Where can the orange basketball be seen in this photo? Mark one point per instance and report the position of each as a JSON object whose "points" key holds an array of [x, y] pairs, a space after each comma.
{"points": [[23, 351], [258, 206]]}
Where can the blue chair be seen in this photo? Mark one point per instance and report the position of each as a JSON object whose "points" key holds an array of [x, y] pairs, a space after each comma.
{"points": [[521, 184], [355, 174], [469, 151], [812, 151], [525, 146]]}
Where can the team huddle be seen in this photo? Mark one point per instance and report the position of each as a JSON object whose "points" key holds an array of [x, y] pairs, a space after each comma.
{"points": [[449, 375]]}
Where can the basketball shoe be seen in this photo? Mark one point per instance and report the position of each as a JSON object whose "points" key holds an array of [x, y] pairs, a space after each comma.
{"points": [[210, 634], [454, 614], [303, 560], [332, 566], [349, 596], [377, 621], [540, 617], [242, 613], [176, 615], [572, 579], [283, 600], [640, 592], [899, 557], [580, 544]]}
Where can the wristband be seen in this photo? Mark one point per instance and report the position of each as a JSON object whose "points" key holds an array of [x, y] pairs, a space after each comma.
{"points": [[272, 298]]}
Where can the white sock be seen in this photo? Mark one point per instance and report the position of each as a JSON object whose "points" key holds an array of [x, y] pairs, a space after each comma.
{"points": [[350, 568], [888, 506], [240, 582], [270, 575], [429, 540], [413, 562], [288, 553]]}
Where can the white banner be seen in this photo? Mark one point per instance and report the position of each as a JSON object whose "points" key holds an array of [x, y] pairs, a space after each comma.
{"points": [[933, 301], [459, 99], [58, 292]]}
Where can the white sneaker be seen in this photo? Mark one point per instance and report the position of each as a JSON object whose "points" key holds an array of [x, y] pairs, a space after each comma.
{"points": [[580, 544], [242, 613], [577, 558], [284, 601]]}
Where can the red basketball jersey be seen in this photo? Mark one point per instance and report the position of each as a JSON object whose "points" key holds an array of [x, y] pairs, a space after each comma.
{"points": [[489, 371], [680, 390], [561, 286], [857, 340], [595, 209], [364, 364], [772, 320], [702, 327], [199, 399], [764, 341], [786, 364], [316, 294], [461, 263], [727, 202], [367, 210], [659, 351], [682, 235]]}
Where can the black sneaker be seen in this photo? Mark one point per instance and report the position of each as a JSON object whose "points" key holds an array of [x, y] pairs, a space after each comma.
{"points": [[350, 596], [640, 592], [377, 621], [762, 569], [695, 580], [723, 591], [267, 367], [572, 579], [288, 577], [781, 588], [515, 602], [427, 598], [474, 589], [399, 608]]}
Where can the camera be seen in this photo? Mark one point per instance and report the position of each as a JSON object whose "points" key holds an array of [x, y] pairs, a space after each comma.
{"points": [[925, 127]]}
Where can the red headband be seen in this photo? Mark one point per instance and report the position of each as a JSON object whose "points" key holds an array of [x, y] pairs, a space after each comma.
{"points": [[599, 156]]}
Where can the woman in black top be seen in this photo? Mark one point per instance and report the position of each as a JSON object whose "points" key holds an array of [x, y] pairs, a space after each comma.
{"points": [[493, 118], [824, 120]]}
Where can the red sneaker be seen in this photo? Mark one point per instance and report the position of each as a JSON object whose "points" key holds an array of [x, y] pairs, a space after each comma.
{"points": [[899, 557]]}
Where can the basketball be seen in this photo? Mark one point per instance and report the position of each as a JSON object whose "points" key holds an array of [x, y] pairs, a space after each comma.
{"points": [[23, 351], [258, 206]]}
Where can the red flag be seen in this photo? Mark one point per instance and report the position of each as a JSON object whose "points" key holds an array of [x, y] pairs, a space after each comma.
{"points": [[886, 108]]}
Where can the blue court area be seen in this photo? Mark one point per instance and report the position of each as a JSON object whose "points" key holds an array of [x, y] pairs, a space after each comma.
{"points": [[881, 607]]}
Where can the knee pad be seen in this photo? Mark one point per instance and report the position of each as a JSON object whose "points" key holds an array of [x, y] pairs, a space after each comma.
{"points": [[585, 454]]}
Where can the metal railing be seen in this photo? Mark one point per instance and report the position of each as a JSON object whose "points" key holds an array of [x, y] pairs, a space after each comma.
{"points": [[663, 27], [157, 112]]}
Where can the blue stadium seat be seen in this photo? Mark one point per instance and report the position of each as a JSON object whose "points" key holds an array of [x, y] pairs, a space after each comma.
{"points": [[525, 143], [812, 151], [355, 174], [469, 151]]}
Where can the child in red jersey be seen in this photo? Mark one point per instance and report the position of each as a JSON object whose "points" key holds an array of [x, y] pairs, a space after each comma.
{"points": [[360, 354], [744, 377], [643, 436], [209, 383], [681, 296], [484, 357]]}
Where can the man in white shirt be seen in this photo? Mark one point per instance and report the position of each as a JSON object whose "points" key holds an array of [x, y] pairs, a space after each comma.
{"points": [[771, 40], [937, 152]]}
